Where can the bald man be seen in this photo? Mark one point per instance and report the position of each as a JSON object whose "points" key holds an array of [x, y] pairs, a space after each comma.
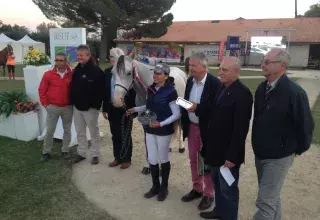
{"points": [[117, 122], [282, 128], [226, 136]]}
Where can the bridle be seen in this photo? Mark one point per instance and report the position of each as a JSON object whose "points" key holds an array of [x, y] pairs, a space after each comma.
{"points": [[135, 80]]}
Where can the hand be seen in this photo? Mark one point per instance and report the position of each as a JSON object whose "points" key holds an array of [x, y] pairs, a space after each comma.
{"points": [[130, 111], [193, 107], [229, 164], [154, 124], [105, 115]]}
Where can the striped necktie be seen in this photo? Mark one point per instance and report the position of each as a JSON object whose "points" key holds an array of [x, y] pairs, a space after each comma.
{"points": [[268, 88]]}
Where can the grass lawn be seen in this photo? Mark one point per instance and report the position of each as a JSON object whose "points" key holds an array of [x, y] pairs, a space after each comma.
{"points": [[316, 116], [30, 189], [6, 85]]}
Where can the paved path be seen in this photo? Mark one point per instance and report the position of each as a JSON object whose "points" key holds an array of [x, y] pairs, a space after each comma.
{"points": [[120, 192]]}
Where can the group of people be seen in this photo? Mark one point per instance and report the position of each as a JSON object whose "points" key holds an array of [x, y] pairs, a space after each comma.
{"points": [[216, 125]]}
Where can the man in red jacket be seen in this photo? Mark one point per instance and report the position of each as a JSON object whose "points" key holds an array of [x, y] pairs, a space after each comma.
{"points": [[54, 93]]}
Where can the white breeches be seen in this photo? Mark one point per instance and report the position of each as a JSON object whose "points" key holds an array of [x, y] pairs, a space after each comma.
{"points": [[158, 147]]}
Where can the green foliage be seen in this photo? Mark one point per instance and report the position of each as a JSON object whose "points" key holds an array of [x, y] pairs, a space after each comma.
{"points": [[144, 18], [9, 100], [314, 11]]}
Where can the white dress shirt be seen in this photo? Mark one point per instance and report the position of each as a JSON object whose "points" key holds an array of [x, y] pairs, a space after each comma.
{"points": [[62, 73], [195, 96]]}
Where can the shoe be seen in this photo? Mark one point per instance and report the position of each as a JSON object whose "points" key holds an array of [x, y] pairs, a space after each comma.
{"points": [[78, 158], [205, 203], [152, 192], [146, 171], [95, 160], [192, 195], [155, 182], [114, 163], [210, 215], [165, 171], [162, 195], [125, 165], [45, 157], [65, 155]]}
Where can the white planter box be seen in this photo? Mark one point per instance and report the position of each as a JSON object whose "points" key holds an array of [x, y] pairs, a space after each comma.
{"points": [[23, 127], [26, 126], [7, 127], [32, 78]]}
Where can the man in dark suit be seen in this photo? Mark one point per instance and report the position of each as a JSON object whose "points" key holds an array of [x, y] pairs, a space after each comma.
{"points": [[225, 138], [118, 122], [201, 90], [282, 128]]}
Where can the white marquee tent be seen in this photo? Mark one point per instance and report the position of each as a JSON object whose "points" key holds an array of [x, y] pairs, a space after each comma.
{"points": [[26, 41], [20, 47], [17, 47]]}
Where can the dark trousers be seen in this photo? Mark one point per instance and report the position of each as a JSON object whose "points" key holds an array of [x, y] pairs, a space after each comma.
{"points": [[10, 68], [226, 197], [122, 153]]}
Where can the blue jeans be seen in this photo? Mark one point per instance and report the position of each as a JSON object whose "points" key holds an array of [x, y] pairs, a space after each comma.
{"points": [[226, 197]]}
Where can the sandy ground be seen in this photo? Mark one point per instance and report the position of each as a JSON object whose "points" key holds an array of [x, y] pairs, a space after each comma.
{"points": [[120, 192]]}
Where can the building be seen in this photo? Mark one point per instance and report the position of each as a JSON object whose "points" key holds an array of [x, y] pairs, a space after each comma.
{"points": [[301, 36]]}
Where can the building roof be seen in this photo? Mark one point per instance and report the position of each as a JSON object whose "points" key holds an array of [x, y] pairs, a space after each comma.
{"points": [[304, 30]]}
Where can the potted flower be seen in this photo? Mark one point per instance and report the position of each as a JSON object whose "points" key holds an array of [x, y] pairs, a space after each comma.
{"points": [[19, 119], [35, 57]]}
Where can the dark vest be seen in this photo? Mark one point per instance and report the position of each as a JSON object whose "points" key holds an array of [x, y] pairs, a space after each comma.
{"points": [[159, 104]]}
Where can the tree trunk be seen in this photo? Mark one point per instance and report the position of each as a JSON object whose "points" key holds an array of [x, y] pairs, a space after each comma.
{"points": [[103, 43], [109, 33]]}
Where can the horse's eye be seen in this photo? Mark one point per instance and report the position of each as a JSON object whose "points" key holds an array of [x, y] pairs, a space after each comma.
{"points": [[129, 73]]}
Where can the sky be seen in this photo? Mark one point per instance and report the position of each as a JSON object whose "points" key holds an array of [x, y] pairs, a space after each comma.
{"points": [[25, 12]]}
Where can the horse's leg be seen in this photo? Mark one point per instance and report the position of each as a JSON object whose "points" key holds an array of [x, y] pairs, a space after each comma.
{"points": [[4, 70], [181, 145], [146, 169]]}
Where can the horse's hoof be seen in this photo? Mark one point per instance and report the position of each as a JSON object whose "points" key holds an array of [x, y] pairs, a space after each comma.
{"points": [[182, 150], [146, 171], [170, 149]]}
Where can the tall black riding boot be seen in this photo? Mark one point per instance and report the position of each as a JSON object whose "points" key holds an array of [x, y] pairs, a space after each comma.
{"points": [[155, 182], [165, 169]]}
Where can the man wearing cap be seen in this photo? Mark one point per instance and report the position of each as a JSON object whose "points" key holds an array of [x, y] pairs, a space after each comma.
{"points": [[160, 100], [118, 122]]}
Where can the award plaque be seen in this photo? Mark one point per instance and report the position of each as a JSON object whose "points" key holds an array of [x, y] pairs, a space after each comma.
{"points": [[145, 117]]}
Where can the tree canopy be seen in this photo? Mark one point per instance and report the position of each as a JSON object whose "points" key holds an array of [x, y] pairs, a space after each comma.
{"points": [[314, 11], [143, 18]]}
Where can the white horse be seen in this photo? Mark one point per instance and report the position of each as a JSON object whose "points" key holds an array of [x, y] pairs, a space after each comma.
{"points": [[130, 73]]}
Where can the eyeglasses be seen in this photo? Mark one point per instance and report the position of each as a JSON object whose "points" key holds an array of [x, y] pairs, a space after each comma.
{"points": [[59, 60], [267, 62]]}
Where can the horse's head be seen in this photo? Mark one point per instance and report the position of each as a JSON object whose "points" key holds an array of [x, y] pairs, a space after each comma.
{"points": [[9, 49], [123, 73]]}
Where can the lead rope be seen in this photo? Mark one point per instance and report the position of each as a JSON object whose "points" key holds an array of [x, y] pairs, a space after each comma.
{"points": [[125, 135]]}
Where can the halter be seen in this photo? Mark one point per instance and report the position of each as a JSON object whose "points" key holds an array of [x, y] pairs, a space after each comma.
{"points": [[135, 79]]}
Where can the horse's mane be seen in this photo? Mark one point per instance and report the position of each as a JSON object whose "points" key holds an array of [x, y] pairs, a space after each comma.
{"points": [[120, 64]]}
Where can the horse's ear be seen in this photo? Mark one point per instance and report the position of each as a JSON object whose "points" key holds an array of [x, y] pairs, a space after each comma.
{"points": [[132, 54]]}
